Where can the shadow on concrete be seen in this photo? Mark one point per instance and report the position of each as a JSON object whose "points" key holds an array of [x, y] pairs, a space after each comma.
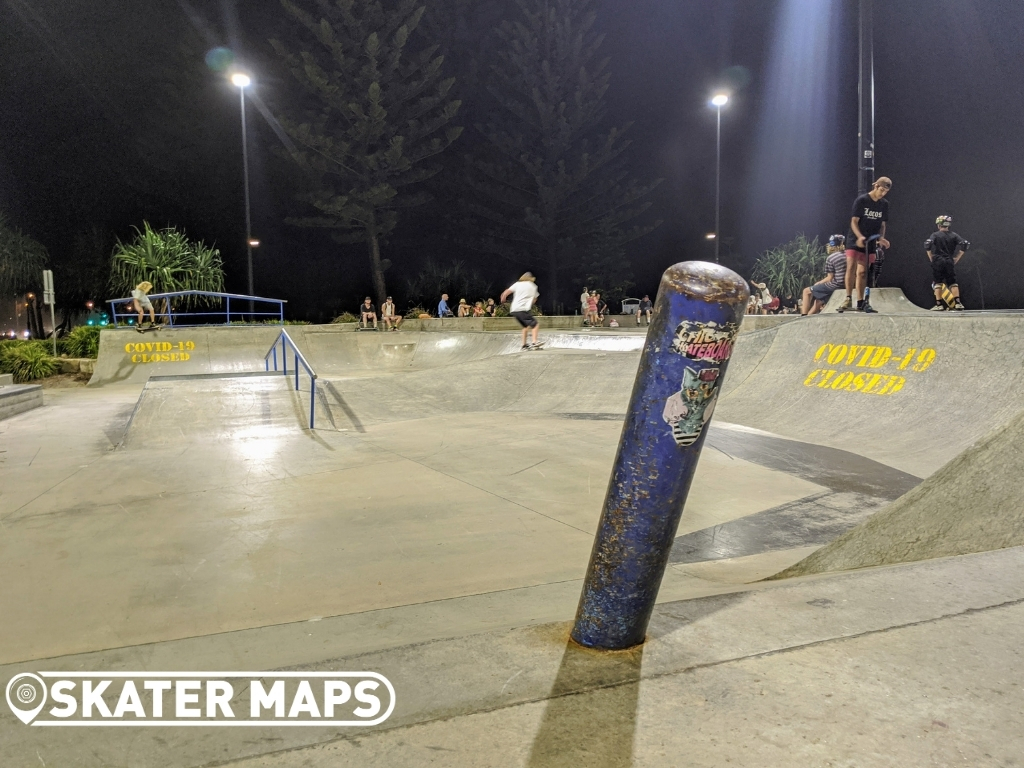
{"points": [[587, 726]]}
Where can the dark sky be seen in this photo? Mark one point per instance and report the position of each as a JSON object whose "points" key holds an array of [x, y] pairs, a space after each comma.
{"points": [[80, 88]]}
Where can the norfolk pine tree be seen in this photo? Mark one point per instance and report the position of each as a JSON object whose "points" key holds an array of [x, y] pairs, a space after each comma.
{"points": [[553, 189], [378, 110]]}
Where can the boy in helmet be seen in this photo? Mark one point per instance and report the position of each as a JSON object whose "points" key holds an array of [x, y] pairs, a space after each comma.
{"points": [[868, 218], [944, 250], [816, 296]]}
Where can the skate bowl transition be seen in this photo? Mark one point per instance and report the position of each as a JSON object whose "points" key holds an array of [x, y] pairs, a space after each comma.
{"points": [[906, 392]]}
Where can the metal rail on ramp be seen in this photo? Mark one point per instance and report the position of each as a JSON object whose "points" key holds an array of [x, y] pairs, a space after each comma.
{"points": [[286, 343]]}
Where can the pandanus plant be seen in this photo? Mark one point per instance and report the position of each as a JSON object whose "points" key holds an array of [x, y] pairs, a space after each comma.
{"points": [[170, 261], [787, 269]]}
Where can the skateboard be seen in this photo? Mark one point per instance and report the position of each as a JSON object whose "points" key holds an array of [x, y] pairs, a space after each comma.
{"points": [[947, 297], [147, 329], [533, 347]]}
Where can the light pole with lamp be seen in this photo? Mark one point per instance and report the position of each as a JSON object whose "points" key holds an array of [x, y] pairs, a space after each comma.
{"points": [[243, 81], [718, 101]]}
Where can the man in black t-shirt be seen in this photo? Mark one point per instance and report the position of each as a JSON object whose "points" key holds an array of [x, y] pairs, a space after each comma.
{"points": [[644, 309], [368, 312], [868, 217], [944, 250]]}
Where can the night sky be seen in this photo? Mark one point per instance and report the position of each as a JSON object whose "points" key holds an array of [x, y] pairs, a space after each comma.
{"points": [[108, 115]]}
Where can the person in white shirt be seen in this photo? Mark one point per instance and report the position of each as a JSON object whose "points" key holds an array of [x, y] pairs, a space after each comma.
{"points": [[142, 303], [389, 315], [584, 305], [524, 295]]}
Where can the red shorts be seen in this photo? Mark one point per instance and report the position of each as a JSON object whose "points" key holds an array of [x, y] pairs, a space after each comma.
{"points": [[860, 257]]}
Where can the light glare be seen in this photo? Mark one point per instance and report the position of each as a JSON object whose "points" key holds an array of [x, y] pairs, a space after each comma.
{"points": [[240, 80], [719, 100]]}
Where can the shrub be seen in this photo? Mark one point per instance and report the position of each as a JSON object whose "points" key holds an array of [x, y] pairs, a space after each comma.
{"points": [[345, 317], [415, 312], [83, 341], [27, 361]]}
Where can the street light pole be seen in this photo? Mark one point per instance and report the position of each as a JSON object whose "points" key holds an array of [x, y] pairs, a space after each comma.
{"points": [[866, 94], [718, 101], [242, 82]]}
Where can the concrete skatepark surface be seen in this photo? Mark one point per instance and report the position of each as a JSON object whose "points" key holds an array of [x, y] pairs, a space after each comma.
{"points": [[437, 525]]}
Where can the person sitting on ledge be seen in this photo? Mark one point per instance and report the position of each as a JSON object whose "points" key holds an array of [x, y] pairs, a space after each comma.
{"points": [[389, 315], [442, 307], [367, 312]]}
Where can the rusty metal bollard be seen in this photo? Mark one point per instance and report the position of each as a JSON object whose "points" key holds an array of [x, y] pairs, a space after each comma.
{"points": [[696, 318]]}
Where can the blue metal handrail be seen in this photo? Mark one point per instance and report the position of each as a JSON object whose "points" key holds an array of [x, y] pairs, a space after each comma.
{"points": [[286, 341], [170, 314]]}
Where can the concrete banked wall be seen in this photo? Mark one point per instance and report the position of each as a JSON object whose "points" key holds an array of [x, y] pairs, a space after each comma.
{"points": [[972, 504], [909, 391]]}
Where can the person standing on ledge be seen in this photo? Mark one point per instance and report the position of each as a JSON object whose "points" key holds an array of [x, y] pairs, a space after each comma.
{"points": [[869, 216], [524, 295], [944, 250]]}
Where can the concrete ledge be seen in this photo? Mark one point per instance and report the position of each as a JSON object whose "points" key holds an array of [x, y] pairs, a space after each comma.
{"points": [[18, 398], [76, 364], [6, 379]]}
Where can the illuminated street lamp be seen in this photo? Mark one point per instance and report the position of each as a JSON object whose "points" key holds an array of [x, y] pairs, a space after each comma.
{"points": [[243, 81], [718, 101]]}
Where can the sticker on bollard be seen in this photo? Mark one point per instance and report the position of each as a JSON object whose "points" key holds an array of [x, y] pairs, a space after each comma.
{"points": [[696, 318]]}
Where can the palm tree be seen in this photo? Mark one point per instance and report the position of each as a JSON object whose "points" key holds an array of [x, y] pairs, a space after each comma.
{"points": [[169, 260], [22, 261]]}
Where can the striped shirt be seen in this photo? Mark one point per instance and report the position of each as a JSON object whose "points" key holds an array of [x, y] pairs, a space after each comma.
{"points": [[835, 265]]}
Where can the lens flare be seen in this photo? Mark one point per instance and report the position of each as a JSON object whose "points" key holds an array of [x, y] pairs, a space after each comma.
{"points": [[219, 59]]}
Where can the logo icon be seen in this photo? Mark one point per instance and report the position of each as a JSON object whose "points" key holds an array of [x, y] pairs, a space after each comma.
{"points": [[22, 692]]}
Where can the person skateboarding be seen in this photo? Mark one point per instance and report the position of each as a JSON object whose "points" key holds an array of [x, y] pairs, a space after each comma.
{"points": [[141, 302], [524, 295], [868, 218], [945, 249]]}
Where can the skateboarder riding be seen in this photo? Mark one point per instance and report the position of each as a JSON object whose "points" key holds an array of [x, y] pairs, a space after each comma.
{"points": [[524, 294], [869, 216], [141, 301], [944, 250]]}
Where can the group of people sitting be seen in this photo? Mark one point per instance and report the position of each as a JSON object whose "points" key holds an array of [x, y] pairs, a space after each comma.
{"points": [[389, 316], [761, 302], [465, 309]]}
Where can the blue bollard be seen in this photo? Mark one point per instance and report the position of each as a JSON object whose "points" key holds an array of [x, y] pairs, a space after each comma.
{"points": [[696, 318]]}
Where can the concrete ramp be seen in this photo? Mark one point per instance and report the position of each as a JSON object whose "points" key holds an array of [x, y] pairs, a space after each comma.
{"points": [[911, 392], [972, 504], [567, 382], [885, 301], [234, 411]]}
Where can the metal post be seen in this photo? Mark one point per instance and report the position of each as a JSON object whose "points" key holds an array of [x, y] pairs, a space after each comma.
{"points": [[696, 318], [718, 181], [296, 371], [866, 93], [248, 219], [312, 400], [284, 357], [228, 301]]}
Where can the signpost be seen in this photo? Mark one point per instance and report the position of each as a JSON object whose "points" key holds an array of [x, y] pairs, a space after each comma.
{"points": [[48, 298]]}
